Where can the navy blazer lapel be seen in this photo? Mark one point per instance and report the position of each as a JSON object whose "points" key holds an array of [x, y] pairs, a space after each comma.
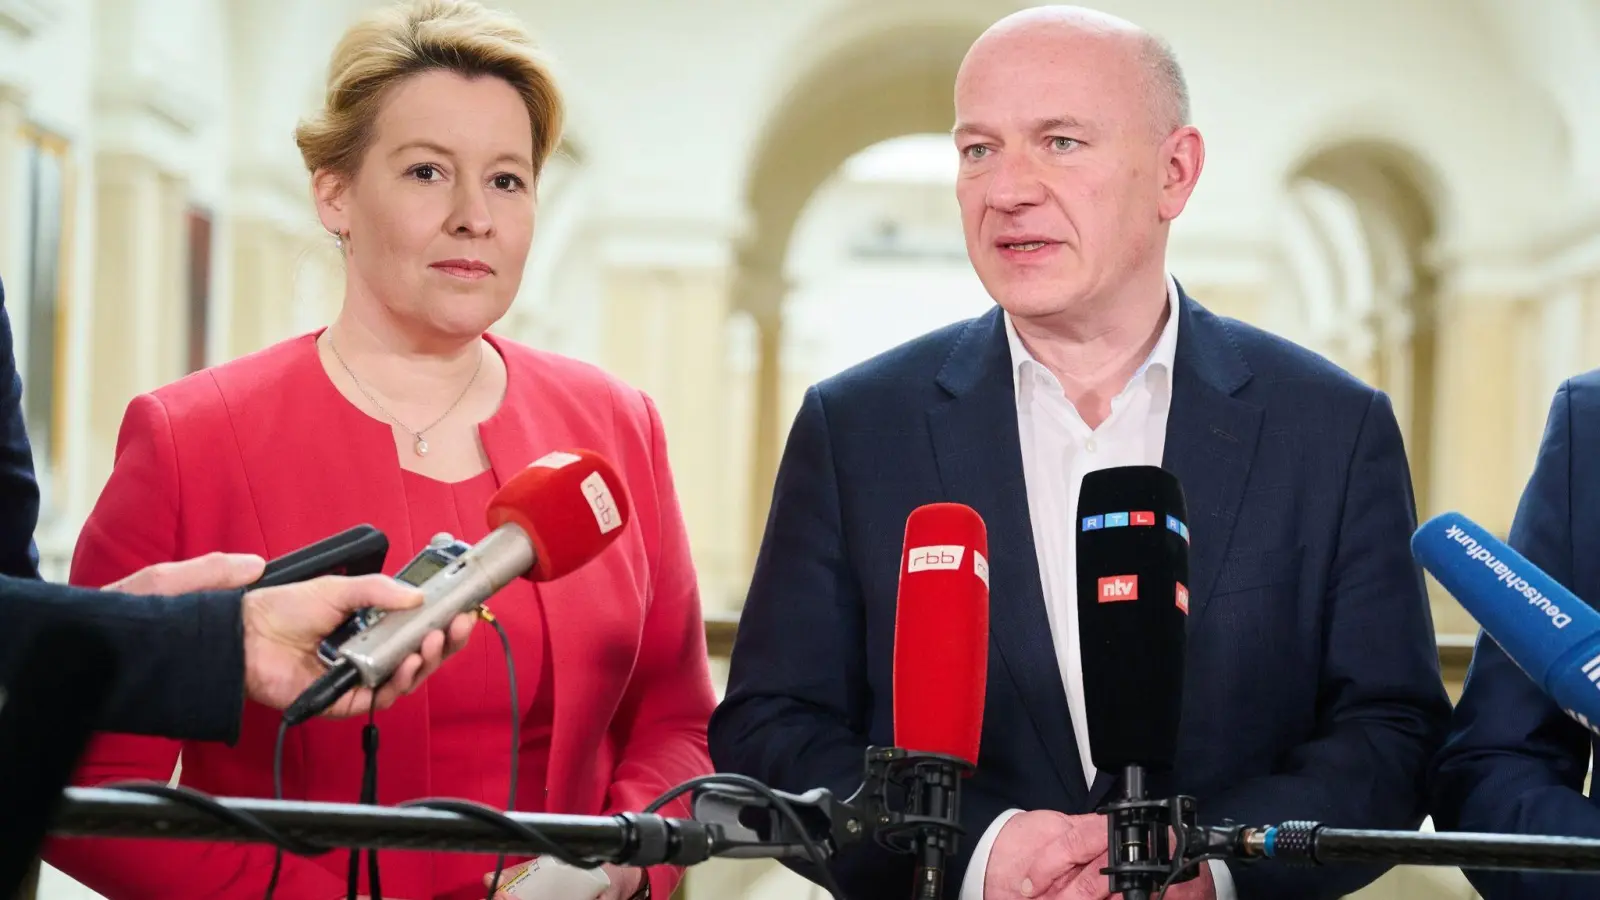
{"points": [[1211, 442], [979, 456]]}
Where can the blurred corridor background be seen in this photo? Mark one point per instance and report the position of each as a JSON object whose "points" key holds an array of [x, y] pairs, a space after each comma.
{"points": [[754, 195]]}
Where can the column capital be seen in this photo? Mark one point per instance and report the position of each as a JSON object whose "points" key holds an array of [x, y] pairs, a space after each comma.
{"points": [[20, 20], [760, 290], [277, 195], [1568, 252], [663, 241], [151, 117], [1237, 261]]}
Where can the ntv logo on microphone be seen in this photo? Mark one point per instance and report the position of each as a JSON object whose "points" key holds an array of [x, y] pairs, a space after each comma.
{"points": [[1117, 588]]}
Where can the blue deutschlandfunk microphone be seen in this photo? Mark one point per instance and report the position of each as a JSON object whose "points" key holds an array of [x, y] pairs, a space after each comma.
{"points": [[1547, 631]]}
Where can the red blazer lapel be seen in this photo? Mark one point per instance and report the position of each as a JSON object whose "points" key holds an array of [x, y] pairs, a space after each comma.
{"points": [[594, 637]]}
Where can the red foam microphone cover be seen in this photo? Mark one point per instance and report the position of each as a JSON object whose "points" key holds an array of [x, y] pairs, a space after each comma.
{"points": [[570, 503], [941, 632]]}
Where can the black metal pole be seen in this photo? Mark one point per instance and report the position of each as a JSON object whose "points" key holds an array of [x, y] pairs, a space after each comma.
{"points": [[1131, 837], [628, 839], [1310, 842]]}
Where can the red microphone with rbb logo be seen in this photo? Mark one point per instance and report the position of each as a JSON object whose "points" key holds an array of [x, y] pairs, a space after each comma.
{"points": [[941, 659], [941, 637]]}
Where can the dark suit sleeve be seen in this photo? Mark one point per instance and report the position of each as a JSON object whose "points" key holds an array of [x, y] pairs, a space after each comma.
{"points": [[180, 659], [796, 708], [1382, 708], [1514, 762], [19, 492]]}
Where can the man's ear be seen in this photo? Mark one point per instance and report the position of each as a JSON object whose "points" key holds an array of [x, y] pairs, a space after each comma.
{"points": [[328, 190]]}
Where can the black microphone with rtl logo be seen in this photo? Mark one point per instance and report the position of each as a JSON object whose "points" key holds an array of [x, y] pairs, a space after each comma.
{"points": [[1133, 603]]}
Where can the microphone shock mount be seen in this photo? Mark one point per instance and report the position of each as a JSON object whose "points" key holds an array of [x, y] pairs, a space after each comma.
{"points": [[927, 828], [1153, 841], [908, 804]]}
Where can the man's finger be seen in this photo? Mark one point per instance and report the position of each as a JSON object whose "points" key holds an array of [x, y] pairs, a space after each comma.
{"points": [[1088, 883], [460, 631], [403, 682], [356, 702], [376, 591], [432, 650], [1082, 842], [211, 572]]}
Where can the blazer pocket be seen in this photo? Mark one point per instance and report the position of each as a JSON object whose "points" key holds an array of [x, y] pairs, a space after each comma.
{"points": [[1245, 570]]}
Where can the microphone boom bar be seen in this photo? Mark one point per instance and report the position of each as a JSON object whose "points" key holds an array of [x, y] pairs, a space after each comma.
{"points": [[1312, 843], [628, 839]]}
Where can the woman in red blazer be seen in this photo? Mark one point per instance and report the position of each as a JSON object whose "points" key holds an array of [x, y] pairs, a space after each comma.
{"points": [[424, 170]]}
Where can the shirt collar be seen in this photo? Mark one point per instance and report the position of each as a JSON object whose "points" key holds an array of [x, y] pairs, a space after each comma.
{"points": [[1158, 365]]}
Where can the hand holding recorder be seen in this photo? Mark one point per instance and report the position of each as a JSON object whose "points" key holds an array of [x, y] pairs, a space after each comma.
{"points": [[283, 625]]}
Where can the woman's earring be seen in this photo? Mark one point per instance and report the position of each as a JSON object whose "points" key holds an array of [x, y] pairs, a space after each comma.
{"points": [[338, 239]]}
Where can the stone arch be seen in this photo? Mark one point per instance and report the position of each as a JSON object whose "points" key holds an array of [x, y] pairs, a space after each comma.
{"points": [[1369, 211], [896, 79]]}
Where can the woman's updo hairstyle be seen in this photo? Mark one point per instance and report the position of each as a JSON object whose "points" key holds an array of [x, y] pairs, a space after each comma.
{"points": [[396, 42]]}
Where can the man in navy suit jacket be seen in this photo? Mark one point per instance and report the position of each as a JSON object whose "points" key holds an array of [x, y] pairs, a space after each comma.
{"points": [[1514, 762], [19, 492], [1312, 688]]}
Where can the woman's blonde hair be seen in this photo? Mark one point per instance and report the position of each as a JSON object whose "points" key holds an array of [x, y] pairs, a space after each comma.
{"points": [[406, 39]]}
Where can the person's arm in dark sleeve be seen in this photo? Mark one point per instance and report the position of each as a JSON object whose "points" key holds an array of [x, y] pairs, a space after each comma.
{"points": [[1383, 710], [180, 660], [19, 491], [1514, 763]]}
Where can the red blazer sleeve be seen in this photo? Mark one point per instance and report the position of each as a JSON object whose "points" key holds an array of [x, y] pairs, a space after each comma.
{"points": [[660, 725], [135, 524]]}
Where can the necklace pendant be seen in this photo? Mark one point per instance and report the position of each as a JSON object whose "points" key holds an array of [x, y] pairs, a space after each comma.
{"points": [[422, 447]]}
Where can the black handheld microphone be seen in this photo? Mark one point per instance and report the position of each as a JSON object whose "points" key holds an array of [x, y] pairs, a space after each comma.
{"points": [[358, 550], [1133, 603]]}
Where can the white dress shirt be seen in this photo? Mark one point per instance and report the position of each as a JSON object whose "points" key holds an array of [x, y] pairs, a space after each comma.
{"points": [[1058, 449]]}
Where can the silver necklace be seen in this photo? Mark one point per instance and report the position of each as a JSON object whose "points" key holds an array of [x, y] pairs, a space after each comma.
{"points": [[422, 444]]}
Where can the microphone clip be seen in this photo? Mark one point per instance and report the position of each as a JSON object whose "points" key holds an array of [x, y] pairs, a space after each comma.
{"points": [[1145, 843], [906, 795], [1156, 841]]}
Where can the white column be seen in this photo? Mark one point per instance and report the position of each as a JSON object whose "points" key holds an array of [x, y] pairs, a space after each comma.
{"points": [[20, 20], [760, 292], [666, 289], [137, 323]]}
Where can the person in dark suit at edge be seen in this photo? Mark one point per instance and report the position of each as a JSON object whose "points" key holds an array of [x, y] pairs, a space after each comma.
{"points": [[19, 492], [1312, 687], [194, 645], [1514, 762]]}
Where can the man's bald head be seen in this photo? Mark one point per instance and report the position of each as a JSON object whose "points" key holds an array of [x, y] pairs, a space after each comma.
{"points": [[1076, 155], [1165, 89]]}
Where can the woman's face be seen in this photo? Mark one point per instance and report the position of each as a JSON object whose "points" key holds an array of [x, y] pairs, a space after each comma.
{"points": [[439, 218]]}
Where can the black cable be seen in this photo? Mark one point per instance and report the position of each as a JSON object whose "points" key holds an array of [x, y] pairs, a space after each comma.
{"points": [[525, 833], [369, 795], [467, 809], [277, 794], [813, 851], [516, 735], [242, 820], [1160, 895]]}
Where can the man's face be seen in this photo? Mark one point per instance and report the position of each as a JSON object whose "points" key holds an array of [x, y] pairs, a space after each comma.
{"points": [[1062, 174]]}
